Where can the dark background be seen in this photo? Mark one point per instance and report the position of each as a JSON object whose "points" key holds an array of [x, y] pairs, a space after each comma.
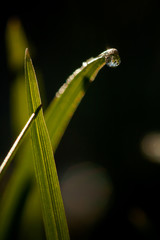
{"points": [[119, 109]]}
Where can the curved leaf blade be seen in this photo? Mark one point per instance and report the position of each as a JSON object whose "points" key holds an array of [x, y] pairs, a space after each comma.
{"points": [[67, 99]]}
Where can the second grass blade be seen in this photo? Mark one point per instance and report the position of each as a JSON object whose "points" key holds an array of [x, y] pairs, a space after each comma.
{"points": [[45, 169]]}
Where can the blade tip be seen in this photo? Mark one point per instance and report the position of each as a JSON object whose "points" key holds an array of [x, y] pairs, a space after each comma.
{"points": [[27, 55]]}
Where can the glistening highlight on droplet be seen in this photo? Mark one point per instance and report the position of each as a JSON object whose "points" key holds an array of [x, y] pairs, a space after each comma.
{"points": [[112, 57]]}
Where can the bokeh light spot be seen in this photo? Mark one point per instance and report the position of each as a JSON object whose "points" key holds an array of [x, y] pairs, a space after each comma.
{"points": [[86, 191], [150, 146]]}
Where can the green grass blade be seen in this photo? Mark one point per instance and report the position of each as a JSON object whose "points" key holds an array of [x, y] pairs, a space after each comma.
{"points": [[45, 169], [67, 99], [58, 109], [64, 104]]}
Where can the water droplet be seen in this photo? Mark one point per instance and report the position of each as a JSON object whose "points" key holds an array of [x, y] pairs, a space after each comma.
{"points": [[112, 57]]}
